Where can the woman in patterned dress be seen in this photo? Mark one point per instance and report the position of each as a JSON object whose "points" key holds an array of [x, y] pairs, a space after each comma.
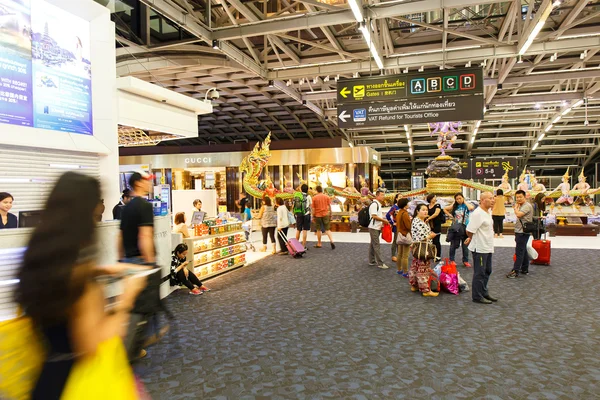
{"points": [[418, 275]]}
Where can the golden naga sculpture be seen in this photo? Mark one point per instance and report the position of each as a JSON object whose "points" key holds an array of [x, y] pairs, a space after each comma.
{"points": [[442, 180]]}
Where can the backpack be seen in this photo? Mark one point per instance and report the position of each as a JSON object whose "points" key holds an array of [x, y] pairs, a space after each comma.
{"points": [[364, 218], [299, 203]]}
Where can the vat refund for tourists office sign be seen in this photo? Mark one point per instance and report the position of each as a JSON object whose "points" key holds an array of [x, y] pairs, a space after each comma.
{"points": [[413, 111]]}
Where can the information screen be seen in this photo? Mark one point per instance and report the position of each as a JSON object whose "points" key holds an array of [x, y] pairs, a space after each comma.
{"points": [[45, 67]]}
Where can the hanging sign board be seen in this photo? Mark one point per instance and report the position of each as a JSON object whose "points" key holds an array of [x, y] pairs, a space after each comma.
{"points": [[416, 111], [452, 82], [493, 167]]}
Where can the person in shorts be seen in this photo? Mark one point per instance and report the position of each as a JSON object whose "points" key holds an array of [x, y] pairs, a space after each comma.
{"points": [[321, 208], [302, 213]]}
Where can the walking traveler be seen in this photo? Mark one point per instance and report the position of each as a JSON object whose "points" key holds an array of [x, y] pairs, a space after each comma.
{"points": [[321, 209], [302, 210], [268, 223], [282, 224], [391, 217]]}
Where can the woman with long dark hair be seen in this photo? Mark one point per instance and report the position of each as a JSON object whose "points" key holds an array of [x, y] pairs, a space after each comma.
{"points": [[180, 275], [268, 223], [57, 287], [391, 217], [460, 211], [435, 221]]}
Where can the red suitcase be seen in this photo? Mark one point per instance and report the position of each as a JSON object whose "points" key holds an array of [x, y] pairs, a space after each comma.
{"points": [[542, 246]]}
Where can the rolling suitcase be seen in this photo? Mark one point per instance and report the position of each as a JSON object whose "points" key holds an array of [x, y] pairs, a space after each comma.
{"points": [[293, 245], [542, 246]]}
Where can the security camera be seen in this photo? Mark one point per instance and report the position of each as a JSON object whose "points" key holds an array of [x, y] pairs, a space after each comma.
{"points": [[214, 94]]}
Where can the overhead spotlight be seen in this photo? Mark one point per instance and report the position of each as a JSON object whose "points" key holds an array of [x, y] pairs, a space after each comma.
{"points": [[356, 75], [583, 55], [537, 106], [586, 122], [289, 83], [271, 83], [556, 3], [405, 70], [301, 81], [441, 67], [422, 69], [484, 63], [326, 79], [315, 80], [520, 59], [468, 65], [215, 44], [337, 77]]}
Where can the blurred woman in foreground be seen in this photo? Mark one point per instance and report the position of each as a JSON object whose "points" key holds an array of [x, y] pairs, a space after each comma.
{"points": [[57, 288]]}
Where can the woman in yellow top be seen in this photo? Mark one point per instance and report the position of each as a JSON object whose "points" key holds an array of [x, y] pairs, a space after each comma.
{"points": [[498, 213]]}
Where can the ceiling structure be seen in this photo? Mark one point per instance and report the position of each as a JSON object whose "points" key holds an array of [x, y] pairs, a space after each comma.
{"points": [[275, 64]]}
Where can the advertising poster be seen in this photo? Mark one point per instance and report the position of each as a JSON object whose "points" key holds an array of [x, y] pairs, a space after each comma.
{"points": [[15, 63], [62, 80]]}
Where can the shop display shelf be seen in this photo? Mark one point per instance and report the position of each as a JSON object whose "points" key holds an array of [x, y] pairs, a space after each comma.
{"points": [[219, 259], [219, 247], [224, 270], [204, 237]]}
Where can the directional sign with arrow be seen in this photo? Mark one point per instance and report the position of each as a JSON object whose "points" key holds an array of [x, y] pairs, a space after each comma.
{"points": [[343, 116], [345, 92], [394, 113]]}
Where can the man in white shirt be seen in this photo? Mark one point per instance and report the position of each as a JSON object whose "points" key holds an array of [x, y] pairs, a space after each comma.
{"points": [[480, 232], [377, 221]]}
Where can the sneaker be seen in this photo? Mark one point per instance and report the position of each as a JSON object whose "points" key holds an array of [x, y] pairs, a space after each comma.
{"points": [[332, 246], [399, 272], [430, 294], [512, 275], [467, 265], [405, 274], [204, 289], [196, 292], [383, 266], [372, 263]]}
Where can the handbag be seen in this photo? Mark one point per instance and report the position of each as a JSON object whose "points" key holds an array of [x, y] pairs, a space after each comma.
{"points": [[291, 218], [404, 239], [423, 251], [386, 233], [104, 375]]}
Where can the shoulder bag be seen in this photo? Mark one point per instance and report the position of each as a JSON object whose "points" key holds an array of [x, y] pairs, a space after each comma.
{"points": [[423, 251]]}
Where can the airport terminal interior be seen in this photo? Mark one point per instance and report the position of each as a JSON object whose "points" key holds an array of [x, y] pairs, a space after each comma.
{"points": [[299, 199]]}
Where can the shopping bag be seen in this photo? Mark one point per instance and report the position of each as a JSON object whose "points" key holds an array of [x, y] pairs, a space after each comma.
{"points": [[449, 282], [104, 375], [449, 267], [533, 254], [386, 233], [21, 358]]}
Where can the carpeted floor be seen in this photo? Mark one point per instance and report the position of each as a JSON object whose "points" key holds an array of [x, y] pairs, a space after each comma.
{"points": [[330, 326]]}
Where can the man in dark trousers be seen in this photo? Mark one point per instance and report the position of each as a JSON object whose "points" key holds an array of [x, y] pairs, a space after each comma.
{"points": [[136, 246], [480, 240], [118, 209]]}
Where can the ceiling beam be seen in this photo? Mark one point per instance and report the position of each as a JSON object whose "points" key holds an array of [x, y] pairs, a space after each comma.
{"points": [[317, 20], [416, 60]]}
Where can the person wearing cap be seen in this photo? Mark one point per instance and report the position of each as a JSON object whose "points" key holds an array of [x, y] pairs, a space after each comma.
{"points": [[137, 222], [118, 209]]}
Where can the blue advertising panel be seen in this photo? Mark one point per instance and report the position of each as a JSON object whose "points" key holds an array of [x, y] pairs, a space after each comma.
{"points": [[15, 63], [45, 67]]}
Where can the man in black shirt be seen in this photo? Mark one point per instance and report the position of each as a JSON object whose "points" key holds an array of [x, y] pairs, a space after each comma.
{"points": [[125, 199], [137, 222]]}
